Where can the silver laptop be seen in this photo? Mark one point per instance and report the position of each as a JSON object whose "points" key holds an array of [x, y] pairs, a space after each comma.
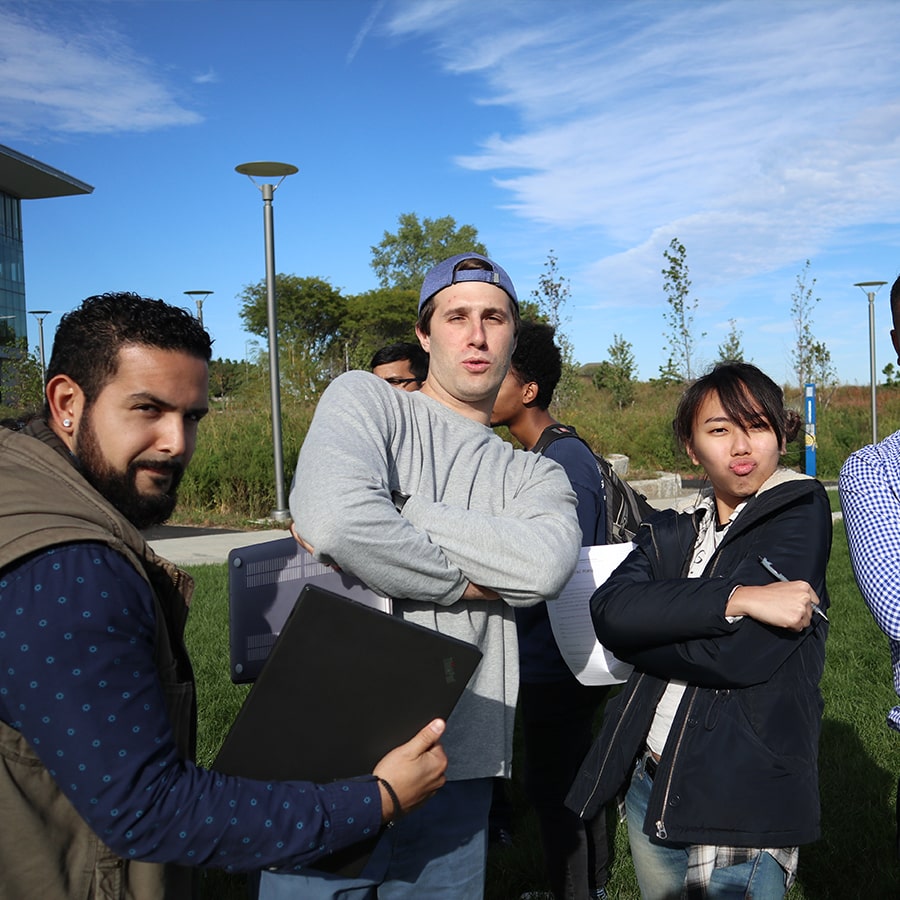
{"points": [[264, 581]]}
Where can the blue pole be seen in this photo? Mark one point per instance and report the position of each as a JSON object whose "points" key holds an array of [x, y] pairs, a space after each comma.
{"points": [[810, 429]]}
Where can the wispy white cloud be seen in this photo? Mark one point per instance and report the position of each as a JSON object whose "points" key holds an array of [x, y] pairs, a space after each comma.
{"points": [[363, 32], [77, 80], [753, 132], [207, 77]]}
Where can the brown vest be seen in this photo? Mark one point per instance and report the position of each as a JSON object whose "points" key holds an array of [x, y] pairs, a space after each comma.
{"points": [[47, 851]]}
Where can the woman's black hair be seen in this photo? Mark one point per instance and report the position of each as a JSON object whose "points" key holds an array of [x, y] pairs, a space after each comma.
{"points": [[747, 395]]}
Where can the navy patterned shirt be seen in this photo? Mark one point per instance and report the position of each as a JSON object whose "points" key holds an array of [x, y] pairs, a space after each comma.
{"points": [[78, 680]]}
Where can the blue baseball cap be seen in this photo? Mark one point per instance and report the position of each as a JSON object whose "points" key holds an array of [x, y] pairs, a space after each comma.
{"points": [[445, 273]]}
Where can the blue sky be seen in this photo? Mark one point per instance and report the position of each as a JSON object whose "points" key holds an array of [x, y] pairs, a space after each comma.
{"points": [[759, 134]]}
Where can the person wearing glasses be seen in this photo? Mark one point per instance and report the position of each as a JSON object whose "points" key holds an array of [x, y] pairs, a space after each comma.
{"points": [[403, 365]]}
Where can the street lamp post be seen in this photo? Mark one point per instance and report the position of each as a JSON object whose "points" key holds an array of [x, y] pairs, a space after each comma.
{"points": [[279, 171], [40, 315], [870, 289], [199, 297]]}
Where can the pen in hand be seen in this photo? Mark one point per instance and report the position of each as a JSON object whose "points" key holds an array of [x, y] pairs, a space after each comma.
{"points": [[777, 575]]}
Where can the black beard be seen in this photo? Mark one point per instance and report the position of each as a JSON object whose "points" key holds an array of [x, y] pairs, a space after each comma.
{"points": [[120, 488]]}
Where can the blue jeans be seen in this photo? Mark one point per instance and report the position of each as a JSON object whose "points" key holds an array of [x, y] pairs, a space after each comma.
{"points": [[661, 867], [437, 851]]}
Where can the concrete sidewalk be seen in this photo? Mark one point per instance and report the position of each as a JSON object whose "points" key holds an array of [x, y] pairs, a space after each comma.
{"points": [[186, 546]]}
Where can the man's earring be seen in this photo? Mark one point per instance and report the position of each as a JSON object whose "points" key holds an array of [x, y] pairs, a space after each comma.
{"points": [[67, 423]]}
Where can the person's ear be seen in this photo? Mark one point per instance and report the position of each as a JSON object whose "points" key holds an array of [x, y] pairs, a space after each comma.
{"points": [[693, 456], [66, 401], [529, 392], [424, 339]]}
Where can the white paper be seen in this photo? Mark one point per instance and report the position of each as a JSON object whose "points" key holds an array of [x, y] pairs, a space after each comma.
{"points": [[570, 618]]}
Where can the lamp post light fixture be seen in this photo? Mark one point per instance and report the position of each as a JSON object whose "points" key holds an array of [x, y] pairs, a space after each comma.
{"points": [[271, 170], [199, 297], [40, 315], [870, 289]]}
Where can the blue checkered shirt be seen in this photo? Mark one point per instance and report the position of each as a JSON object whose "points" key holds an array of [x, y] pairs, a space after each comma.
{"points": [[870, 497]]}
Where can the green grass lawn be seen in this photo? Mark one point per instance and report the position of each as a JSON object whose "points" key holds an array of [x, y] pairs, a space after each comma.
{"points": [[858, 765]]}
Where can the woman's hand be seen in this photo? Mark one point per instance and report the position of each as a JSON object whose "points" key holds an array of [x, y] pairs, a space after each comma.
{"points": [[785, 604]]}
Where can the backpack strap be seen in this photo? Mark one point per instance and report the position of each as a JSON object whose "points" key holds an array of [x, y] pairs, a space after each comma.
{"points": [[553, 433]]}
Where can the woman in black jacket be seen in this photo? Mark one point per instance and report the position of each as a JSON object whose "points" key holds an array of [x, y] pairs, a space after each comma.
{"points": [[722, 613]]}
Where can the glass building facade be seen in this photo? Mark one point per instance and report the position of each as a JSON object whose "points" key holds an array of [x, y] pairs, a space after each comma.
{"points": [[12, 270], [21, 178]]}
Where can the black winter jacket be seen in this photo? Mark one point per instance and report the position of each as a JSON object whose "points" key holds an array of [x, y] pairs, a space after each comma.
{"points": [[739, 767]]}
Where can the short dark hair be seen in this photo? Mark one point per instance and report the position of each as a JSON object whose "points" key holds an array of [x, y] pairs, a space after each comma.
{"points": [[88, 340], [426, 311], [403, 350], [895, 303], [538, 359], [747, 394]]}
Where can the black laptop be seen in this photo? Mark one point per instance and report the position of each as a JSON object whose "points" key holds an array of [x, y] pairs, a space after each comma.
{"points": [[343, 685]]}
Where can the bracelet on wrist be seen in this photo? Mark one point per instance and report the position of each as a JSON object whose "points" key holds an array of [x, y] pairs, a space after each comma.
{"points": [[397, 810]]}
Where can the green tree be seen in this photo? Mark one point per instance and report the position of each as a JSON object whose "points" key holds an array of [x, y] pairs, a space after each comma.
{"points": [[550, 296], [802, 304], [668, 374], [891, 376], [810, 358], [824, 373], [310, 311], [616, 374], [546, 304], [680, 338], [374, 319], [226, 378], [402, 259], [21, 391], [731, 350]]}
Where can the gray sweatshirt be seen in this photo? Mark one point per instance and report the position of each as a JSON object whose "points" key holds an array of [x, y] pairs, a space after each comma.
{"points": [[478, 511]]}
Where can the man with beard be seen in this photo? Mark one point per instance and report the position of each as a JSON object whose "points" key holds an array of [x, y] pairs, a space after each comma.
{"points": [[98, 794]]}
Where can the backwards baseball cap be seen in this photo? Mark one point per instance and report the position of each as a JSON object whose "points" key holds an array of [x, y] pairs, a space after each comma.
{"points": [[446, 273]]}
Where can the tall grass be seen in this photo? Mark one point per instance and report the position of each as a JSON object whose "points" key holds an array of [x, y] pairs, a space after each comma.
{"points": [[643, 431], [231, 474], [231, 477], [858, 765]]}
